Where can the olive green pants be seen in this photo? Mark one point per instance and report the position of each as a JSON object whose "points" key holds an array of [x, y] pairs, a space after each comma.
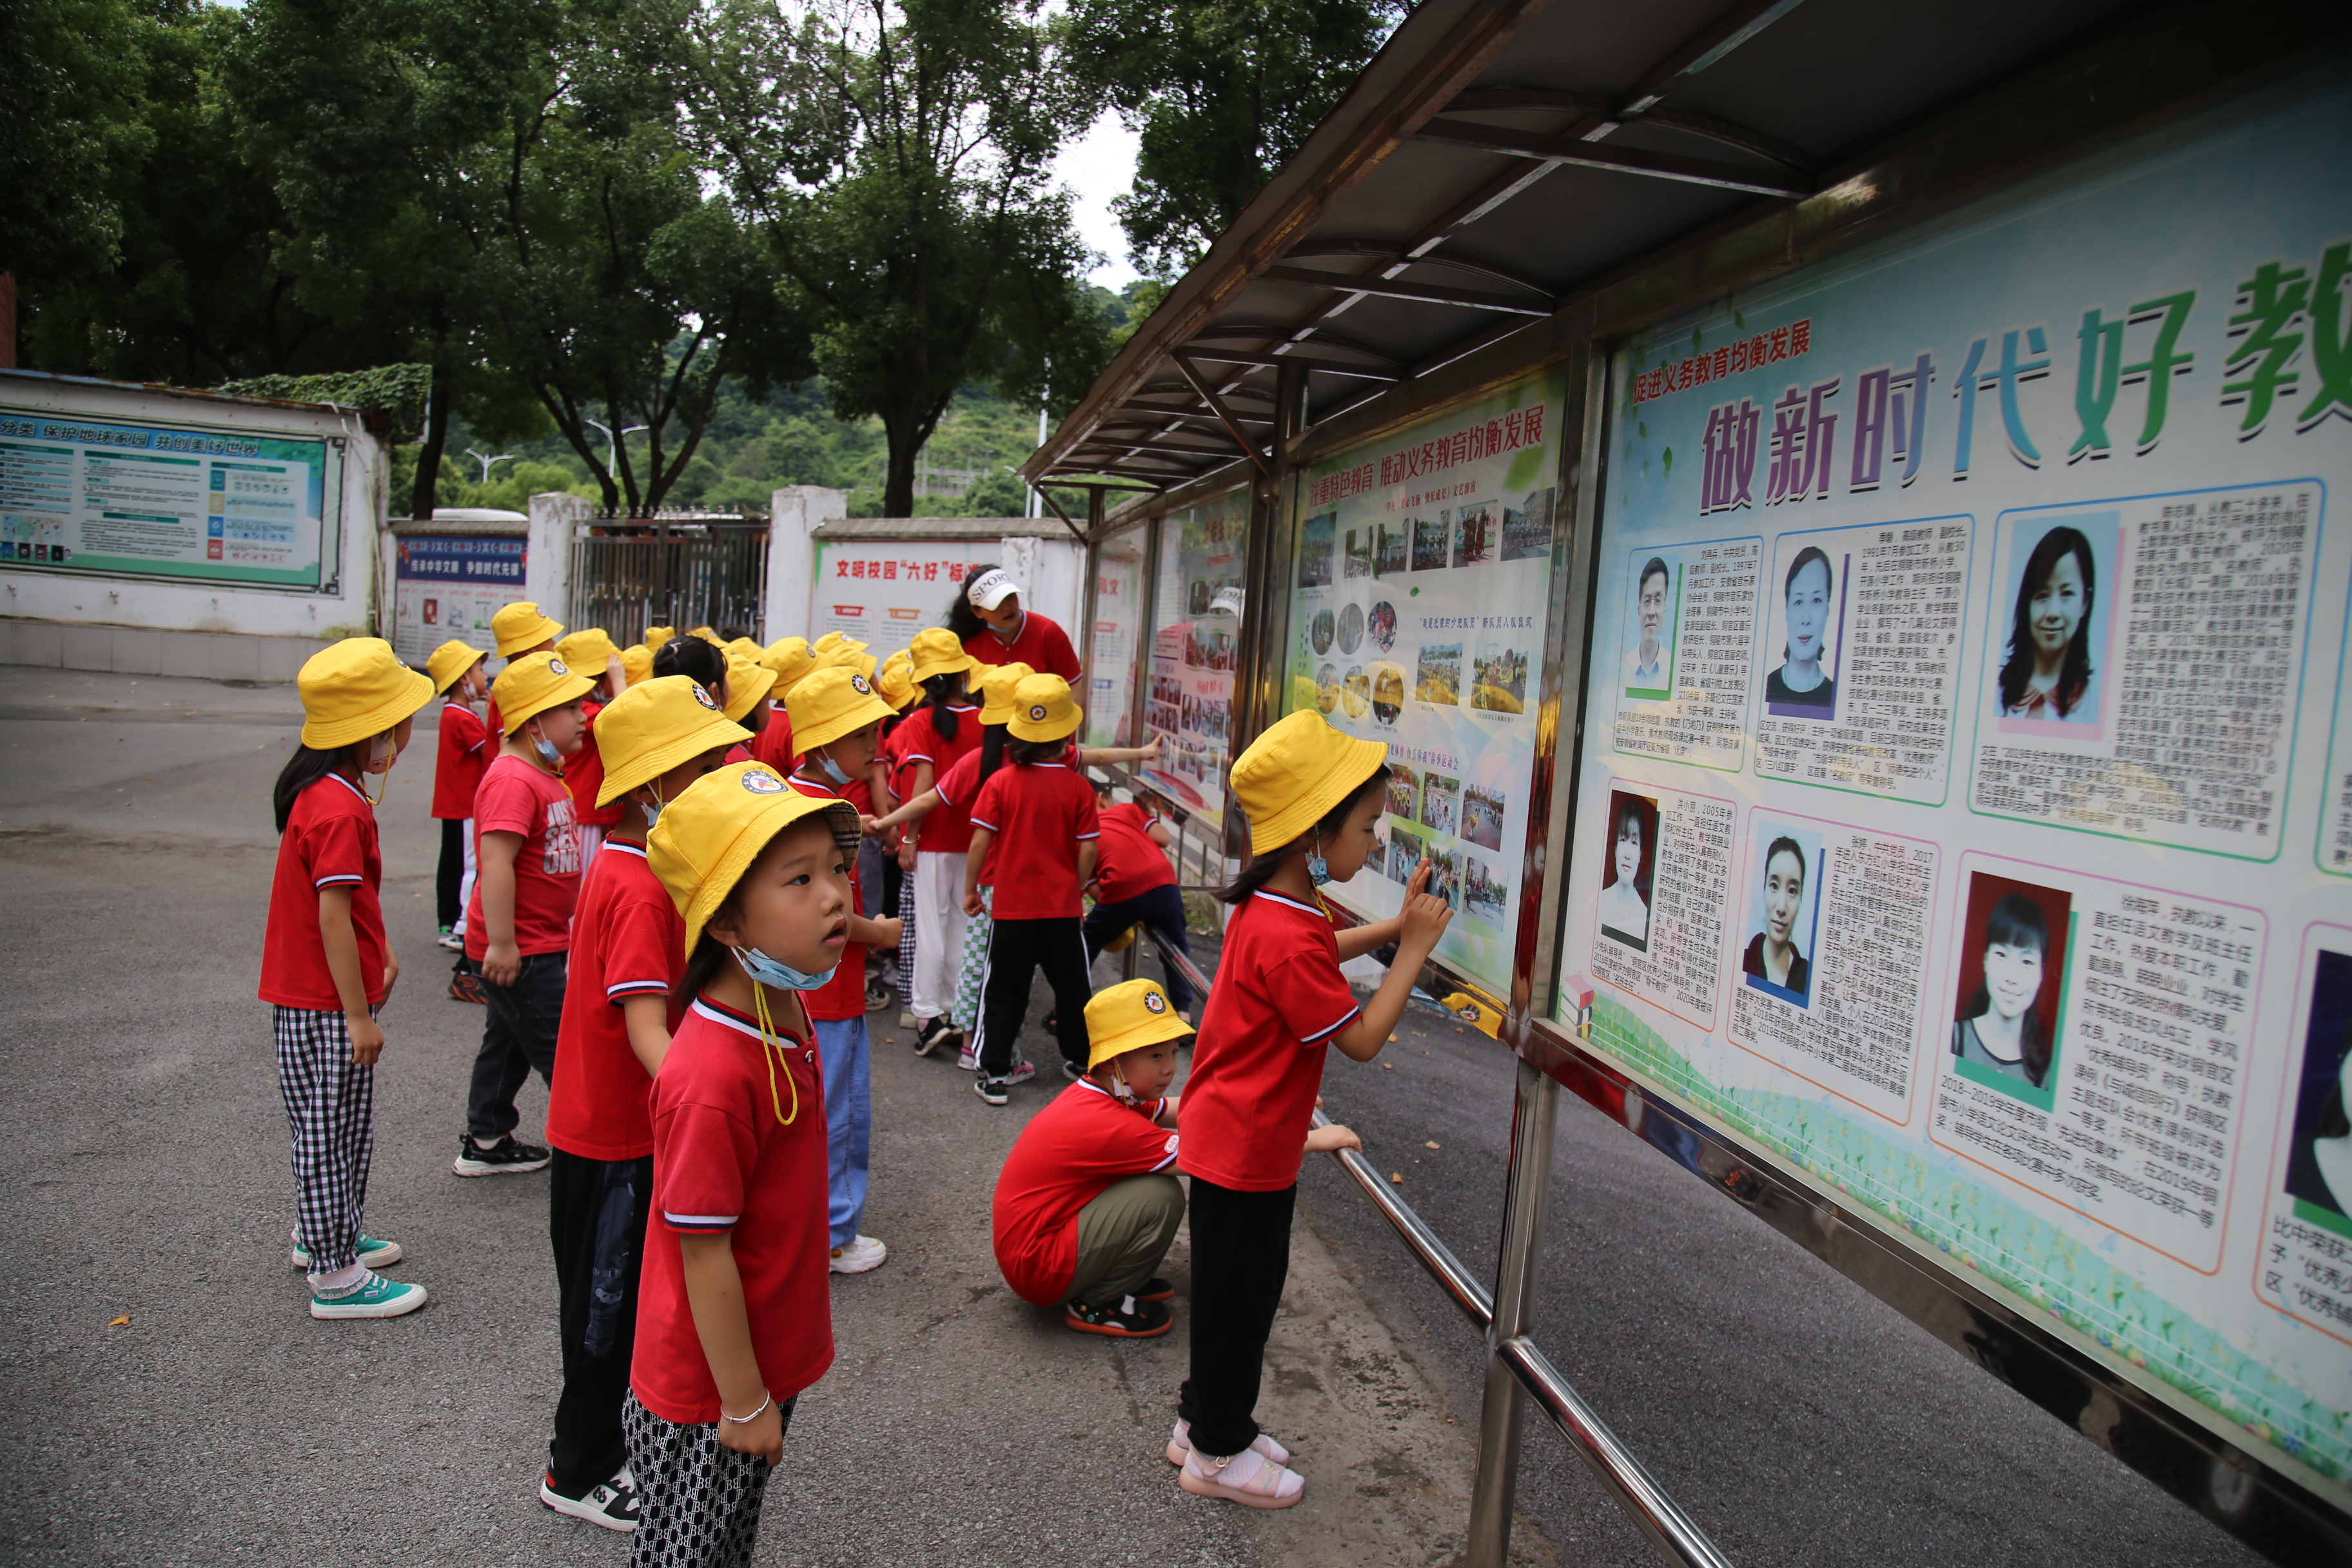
{"points": [[1123, 1236]]}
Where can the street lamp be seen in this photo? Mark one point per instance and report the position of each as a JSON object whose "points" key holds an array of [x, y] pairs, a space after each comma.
{"points": [[485, 461], [613, 449]]}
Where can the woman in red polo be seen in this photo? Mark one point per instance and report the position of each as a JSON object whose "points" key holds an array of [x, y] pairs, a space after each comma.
{"points": [[996, 627]]}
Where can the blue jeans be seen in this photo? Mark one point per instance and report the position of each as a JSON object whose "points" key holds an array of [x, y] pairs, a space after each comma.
{"points": [[848, 1120]]}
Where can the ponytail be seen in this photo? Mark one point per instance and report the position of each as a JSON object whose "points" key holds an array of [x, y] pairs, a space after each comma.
{"points": [[699, 661], [962, 620], [944, 690], [991, 750]]}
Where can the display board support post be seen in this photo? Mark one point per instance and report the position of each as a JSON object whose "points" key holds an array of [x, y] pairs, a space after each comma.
{"points": [[1534, 1116]]}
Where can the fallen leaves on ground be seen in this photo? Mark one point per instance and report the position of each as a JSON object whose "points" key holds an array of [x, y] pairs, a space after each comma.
{"points": [[122, 1322]]}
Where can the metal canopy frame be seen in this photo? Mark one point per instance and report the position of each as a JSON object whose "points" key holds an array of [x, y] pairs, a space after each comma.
{"points": [[1685, 155]]}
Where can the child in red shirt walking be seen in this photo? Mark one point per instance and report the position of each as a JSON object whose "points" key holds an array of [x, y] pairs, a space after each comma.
{"points": [[733, 1313], [1313, 797], [838, 720], [627, 954], [527, 844], [1037, 817], [326, 966], [463, 752]]}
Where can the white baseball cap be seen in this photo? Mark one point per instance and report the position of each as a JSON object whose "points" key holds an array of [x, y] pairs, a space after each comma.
{"points": [[992, 588]]}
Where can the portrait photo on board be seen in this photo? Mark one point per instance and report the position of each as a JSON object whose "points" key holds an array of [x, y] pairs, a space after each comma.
{"points": [[1808, 615], [1784, 874], [2051, 628], [1628, 865], [2319, 1157], [1651, 622], [2010, 987]]}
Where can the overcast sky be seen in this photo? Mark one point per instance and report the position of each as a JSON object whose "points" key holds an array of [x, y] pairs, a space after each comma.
{"points": [[1097, 166]]}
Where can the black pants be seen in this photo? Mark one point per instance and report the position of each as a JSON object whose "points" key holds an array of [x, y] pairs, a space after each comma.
{"points": [[451, 875], [518, 1036], [596, 1212], [1016, 950], [1163, 910], [1241, 1257]]}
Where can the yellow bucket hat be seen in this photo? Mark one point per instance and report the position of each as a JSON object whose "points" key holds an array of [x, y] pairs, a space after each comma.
{"points": [[789, 658], [451, 660], [895, 683], [746, 683], [637, 662], [533, 684], [519, 627], [832, 703], [1043, 709], [842, 654], [708, 636], [938, 651], [744, 648], [355, 689], [657, 636], [709, 836], [832, 640], [1129, 1016], [1295, 773], [996, 691], [653, 728], [586, 651]]}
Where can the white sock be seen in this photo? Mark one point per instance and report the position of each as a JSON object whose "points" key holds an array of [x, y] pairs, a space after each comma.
{"points": [[342, 1283]]}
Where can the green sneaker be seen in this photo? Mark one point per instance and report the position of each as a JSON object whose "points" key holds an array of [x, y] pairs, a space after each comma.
{"points": [[373, 1253], [376, 1297]]}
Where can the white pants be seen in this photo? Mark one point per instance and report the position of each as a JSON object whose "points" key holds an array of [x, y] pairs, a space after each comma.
{"points": [[938, 932], [592, 839], [464, 883]]}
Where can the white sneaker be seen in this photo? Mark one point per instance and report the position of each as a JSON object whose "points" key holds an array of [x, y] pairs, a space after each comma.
{"points": [[908, 1021], [862, 1253], [1248, 1478]]}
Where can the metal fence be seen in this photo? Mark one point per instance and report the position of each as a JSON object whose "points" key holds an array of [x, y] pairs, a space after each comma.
{"points": [[680, 570]]}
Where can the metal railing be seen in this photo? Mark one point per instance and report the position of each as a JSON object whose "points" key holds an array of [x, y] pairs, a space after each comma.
{"points": [[1516, 1368], [628, 573]]}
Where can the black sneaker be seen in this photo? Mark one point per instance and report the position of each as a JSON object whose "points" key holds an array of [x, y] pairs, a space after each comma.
{"points": [[934, 1032], [613, 1503], [1129, 1319], [994, 1091], [504, 1157]]}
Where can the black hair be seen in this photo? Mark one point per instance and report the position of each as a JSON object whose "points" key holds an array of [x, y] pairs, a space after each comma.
{"points": [[2016, 920], [306, 767], [1653, 567], [944, 689], [1784, 844], [1262, 867], [699, 661], [992, 740], [1029, 753], [962, 620], [1811, 554], [2074, 676], [2331, 1122]]}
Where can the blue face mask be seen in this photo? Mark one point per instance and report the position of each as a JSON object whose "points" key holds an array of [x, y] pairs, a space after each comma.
{"points": [[767, 970], [1319, 869], [547, 753], [833, 771], [653, 815]]}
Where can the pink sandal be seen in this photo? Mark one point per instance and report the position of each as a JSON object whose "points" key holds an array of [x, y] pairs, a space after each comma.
{"points": [[1179, 1443], [1248, 1478]]}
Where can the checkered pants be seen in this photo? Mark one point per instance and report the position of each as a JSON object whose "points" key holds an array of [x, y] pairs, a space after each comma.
{"points": [[698, 1502], [976, 931], [907, 940], [330, 1109]]}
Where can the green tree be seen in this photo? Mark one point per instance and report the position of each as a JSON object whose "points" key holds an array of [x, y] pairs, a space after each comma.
{"points": [[894, 159], [70, 75], [1221, 92]]}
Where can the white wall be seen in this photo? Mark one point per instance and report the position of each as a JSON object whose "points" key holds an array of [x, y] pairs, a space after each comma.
{"points": [[104, 622], [794, 513], [547, 557]]}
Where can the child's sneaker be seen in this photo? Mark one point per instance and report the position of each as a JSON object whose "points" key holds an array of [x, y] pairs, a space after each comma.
{"points": [[932, 1032], [991, 1090], [1131, 1320], [610, 1503], [862, 1253], [1071, 1070], [1248, 1478], [1180, 1441], [451, 940], [907, 1020], [504, 1157], [878, 994], [373, 1297], [373, 1253], [1022, 1072], [468, 988], [1157, 1290], [967, 1059]]}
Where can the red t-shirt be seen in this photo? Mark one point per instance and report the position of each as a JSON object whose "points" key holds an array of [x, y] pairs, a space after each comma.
{"points": [[844, 995], [1066, 1157], [1279, 999], [727, 1162], [329, 842], [894, 746], [516, 797], [1040, 812], [627, 940], [457, 763], [583, 776], [947, 830], [1040, 644], [774, 743], [1128, 863]]}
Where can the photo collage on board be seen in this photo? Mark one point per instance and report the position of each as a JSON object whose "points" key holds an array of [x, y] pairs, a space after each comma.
{"points": [[1196, 644]]}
